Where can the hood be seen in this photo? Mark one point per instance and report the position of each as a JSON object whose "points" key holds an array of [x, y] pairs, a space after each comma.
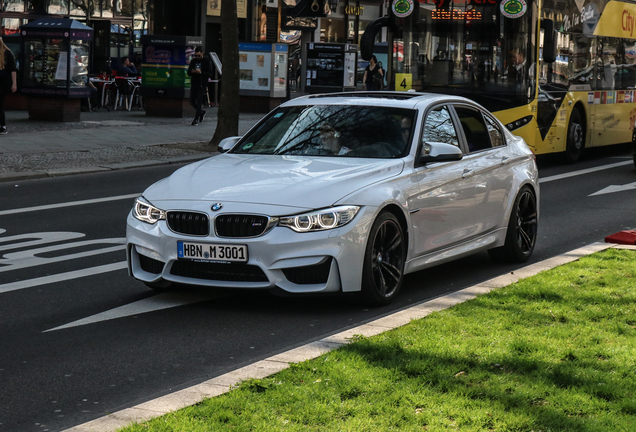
{"points": [[304, 182]]}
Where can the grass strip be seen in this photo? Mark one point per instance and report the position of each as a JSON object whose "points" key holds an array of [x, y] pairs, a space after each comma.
{"points": [[554, 352]]}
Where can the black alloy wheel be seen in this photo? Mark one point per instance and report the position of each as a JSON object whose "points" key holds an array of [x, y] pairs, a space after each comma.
{"points": [[576, 137], [384, 260], [522, 230]]}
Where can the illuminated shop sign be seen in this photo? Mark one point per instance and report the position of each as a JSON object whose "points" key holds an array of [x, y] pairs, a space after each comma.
{"points": [[513, 8], [439, 3], [455, 14], [402, 8]]}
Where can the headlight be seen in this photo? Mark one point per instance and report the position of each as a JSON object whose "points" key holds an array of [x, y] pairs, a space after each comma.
{"points": [[146, 212], [320, 220]]}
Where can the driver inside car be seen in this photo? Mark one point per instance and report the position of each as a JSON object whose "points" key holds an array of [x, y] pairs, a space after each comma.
{"points": [[330, 141]]}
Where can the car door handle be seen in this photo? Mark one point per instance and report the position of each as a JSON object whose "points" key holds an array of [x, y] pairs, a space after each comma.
{"points": [[467, 173], [505, 160]]}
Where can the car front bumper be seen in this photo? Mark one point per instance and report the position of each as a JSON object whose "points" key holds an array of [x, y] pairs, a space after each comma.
{"points": [[312, 262]]}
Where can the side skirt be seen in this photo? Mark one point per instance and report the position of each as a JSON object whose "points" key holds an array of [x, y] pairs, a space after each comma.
{"points": [[487, 241]]}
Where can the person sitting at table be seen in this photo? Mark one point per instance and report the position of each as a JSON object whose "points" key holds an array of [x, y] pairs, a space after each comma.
{"points": [[126, 68]]}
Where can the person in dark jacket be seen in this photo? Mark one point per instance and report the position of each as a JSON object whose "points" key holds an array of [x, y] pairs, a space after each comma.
{"points": [[127, 68], [199, 71], [8, 80], [373, 75]]}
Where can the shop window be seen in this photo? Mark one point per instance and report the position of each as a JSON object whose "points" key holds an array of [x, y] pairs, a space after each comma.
{"points": [[10, 26], [13, 6], [58, 7], [332, 30]]}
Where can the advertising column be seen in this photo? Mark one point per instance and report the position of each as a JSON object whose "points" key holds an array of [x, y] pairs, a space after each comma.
{"points": [[331, 67], [164, 74], [263, 75]]}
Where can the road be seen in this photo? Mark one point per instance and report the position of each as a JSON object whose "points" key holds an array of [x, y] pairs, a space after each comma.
{"points": [[79, 338]]}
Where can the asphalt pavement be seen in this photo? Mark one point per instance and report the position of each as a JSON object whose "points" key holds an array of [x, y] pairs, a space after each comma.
{"points": [[104, 140]]}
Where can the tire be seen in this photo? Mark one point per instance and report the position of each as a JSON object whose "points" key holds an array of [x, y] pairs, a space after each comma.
{"points": [[521, 235], [575, 138], [384, 259]]}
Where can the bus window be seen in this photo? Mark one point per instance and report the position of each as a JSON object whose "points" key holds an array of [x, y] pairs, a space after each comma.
{"points": [[470, 49]]}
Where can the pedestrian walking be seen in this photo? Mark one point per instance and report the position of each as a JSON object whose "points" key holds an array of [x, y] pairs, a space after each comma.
{"points": [[8, 83], [373, 75], [199, 71]]}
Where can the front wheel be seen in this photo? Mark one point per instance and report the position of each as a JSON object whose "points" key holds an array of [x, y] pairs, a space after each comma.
{"points": [[384, 260], [522, 230]]}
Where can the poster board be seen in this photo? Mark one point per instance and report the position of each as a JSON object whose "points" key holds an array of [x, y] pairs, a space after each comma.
{"points": [[263, 69], [330, 67], [214, 8]]}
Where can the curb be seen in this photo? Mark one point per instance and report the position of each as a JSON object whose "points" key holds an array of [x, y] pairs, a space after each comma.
{"points": [[38, 174], [269, 366]]}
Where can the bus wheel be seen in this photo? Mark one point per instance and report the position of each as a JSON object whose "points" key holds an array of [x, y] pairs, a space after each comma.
{"points": [[575, 138]]}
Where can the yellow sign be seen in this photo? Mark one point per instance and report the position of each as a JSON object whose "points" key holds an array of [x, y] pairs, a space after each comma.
{"points": [[403, 82], [214, 8], [354, 10], [618, 20]]}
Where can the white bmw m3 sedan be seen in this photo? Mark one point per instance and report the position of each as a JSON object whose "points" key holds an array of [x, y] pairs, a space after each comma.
{"points": [[344, 192]]}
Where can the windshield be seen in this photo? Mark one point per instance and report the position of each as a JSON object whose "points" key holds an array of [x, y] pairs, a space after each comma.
{"points": [[332, 131], [474, 49]]}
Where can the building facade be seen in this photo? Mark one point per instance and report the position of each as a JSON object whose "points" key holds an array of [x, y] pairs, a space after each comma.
{"points": [[119, 24]]}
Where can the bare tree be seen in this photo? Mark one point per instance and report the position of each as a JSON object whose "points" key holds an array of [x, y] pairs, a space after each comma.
{"points": [[228, 113]]}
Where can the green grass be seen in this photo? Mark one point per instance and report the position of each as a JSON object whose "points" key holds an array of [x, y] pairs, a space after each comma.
{"points": [[555, 352]]}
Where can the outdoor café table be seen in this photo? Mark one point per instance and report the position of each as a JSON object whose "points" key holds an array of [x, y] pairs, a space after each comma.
{"points": [[104, 83]]}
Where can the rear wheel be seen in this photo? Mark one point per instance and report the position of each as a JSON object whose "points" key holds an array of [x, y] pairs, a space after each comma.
{"points": [[575, 138], [522, 230], [383, 261]]}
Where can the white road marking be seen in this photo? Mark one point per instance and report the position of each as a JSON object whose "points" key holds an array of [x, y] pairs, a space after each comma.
{"points": [[615, 188], [17, 241], [67, 204], [28, 283], [151, 304], [584, 171], [28, 258]]}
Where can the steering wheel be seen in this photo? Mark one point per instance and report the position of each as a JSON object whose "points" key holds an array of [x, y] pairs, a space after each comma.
{"points": [[379, 149]]}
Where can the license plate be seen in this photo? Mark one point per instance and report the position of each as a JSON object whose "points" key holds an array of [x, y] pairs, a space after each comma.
{"points": [[212, 252]]}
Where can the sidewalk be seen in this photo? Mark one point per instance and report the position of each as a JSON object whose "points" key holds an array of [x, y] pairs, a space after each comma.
{"points": [[102, 141]]}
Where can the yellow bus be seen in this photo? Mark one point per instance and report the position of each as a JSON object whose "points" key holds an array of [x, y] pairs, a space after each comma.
{"points": [[559, 73]]}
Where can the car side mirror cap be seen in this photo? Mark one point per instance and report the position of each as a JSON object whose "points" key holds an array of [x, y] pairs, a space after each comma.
{"points": [[226, 144], [440, 152]]}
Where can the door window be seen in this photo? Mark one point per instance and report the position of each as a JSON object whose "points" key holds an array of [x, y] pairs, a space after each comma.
{"points": [[496, 138], [475, 131], [439, 127]]}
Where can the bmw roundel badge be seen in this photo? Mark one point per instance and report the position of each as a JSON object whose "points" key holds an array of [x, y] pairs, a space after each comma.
{"points": [[217, 207]]}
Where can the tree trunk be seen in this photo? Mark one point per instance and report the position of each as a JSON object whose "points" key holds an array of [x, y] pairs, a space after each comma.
{"points": [[228, 112]]}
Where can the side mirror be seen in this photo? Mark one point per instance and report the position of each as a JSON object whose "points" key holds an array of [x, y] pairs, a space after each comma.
{"points": [[549, 41], [440, 152], [226, 144]]}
